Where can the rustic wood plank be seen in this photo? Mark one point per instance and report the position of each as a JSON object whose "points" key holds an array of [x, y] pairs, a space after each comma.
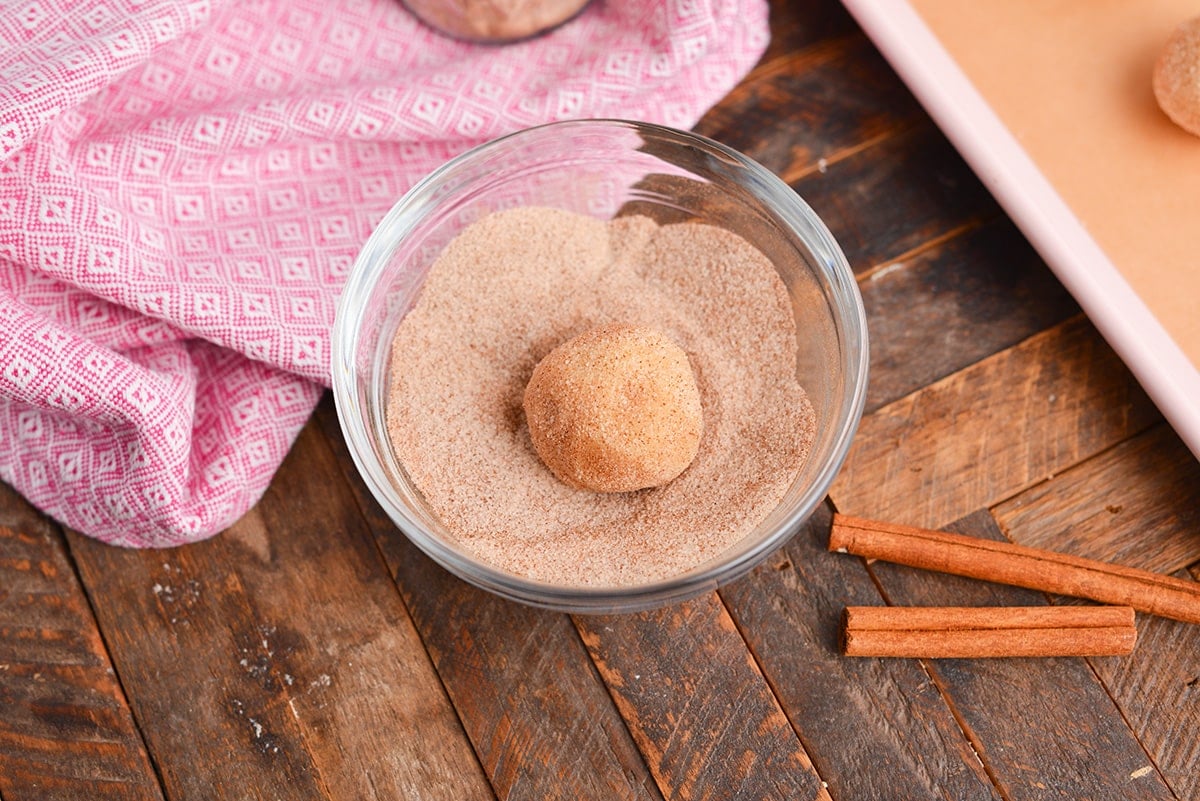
{"points": [[1158, 690], [985, 433], [525, 688], [697, 704], [871, 726], [795, 26], [276, 661], [805, 106], [1045, 728], [66, 731], [897, 196], [962, 300], [1137, 504]]}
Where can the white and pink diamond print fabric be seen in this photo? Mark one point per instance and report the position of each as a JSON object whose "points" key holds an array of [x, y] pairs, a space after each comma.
{"points": [[185, 183]]}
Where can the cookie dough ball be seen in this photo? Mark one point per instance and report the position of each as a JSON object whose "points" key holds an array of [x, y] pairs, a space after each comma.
{"points": [[1177, 77], [615, 409]]}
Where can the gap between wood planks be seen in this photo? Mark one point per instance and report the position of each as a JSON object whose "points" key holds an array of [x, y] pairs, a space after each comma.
{"points": [[968, 732], [91, 602], [1124, 718], [878, 270], [377, 546], [770, 683], [1149, 523]]}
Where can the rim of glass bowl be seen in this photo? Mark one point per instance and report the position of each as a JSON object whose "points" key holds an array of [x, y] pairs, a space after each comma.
{"points": [[788, 210]]}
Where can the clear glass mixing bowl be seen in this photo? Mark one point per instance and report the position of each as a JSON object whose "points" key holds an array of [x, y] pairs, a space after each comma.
{"points": [[601, 167]]}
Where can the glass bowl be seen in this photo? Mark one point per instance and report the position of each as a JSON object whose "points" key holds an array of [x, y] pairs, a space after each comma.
{"points": [[495, 23], [600, 168]]}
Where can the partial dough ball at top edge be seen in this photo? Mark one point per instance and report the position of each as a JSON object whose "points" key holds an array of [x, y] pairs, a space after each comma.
{"points": [[1177, 77], [615, 409]]}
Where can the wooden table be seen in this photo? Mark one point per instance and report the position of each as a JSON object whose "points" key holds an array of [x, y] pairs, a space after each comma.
{"points": [[311, 652]]}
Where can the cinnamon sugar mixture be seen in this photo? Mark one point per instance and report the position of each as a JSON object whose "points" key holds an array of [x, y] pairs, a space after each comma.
{"points": [[517, 283]]}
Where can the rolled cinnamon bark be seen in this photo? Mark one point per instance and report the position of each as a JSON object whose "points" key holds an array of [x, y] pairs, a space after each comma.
{"points": [[973, 632], [1017, 565]]}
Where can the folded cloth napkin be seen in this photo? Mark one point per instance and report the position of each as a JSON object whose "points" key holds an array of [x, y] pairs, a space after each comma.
{"points": [[184, 185]]}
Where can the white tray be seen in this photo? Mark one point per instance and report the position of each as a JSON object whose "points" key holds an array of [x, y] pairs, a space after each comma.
{"points": [[1050, 103]]}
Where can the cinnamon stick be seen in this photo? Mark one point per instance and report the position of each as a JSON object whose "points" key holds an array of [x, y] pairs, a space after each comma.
{"points": [[1018, 565], [962, 632]]}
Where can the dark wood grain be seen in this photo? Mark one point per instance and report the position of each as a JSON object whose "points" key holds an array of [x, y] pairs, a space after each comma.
{"points": [[806, 109], [524, 687], [870, 725], [1045, 728], [796, 26], [992, 430], [1094, 509], [1161, 683], [66, 731], [1135, 504], [698, 706], [962, 300], [897, 197], [277, 660]]}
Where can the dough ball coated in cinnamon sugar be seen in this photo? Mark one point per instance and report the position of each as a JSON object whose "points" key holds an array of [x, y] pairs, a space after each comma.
{"points": [[615, 409], [1177, 76]]}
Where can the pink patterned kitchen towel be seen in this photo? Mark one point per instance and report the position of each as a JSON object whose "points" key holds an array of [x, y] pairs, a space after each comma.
{"points": [[185, 183]]}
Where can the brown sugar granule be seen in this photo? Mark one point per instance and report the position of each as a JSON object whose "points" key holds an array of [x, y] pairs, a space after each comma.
{"points": [[1177, 76], [516, 284], [615, 409]]}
